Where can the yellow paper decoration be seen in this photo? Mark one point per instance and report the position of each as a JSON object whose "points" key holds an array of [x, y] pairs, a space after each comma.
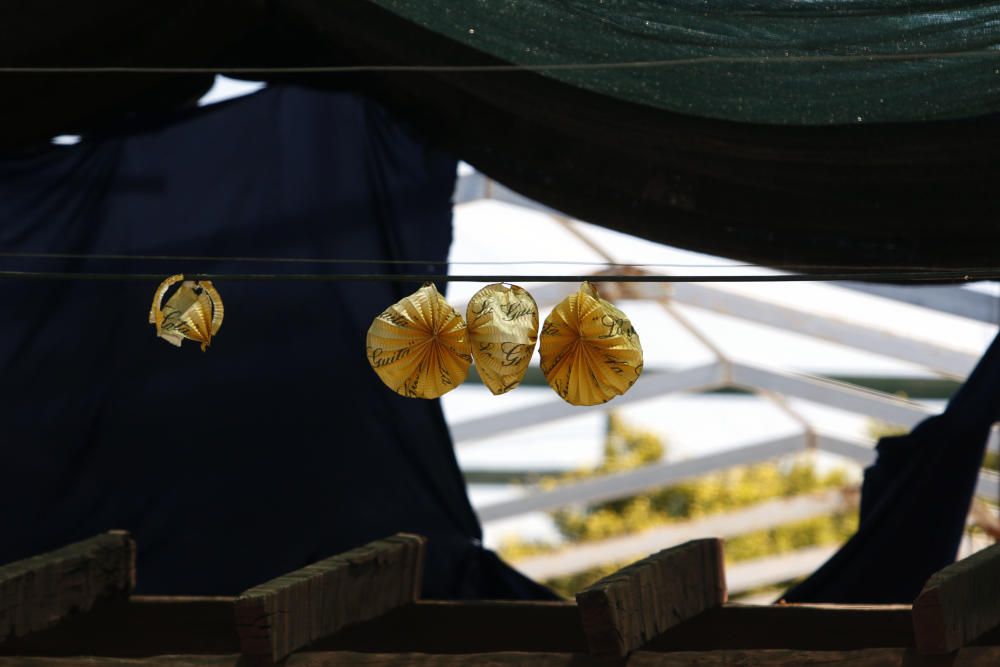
{"points": [[420, 346], [590, 352], [503, 329], [194, 311]]}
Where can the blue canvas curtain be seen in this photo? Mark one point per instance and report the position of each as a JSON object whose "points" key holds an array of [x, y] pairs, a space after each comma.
{"points": [[914, 501], [276, 447]]}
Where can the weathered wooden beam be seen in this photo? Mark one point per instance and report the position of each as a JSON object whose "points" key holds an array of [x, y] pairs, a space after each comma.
{"points": [[973, 656], [986, 656], [139, 626], [226, 660], [976, 656], [790, 626], [176, 625], [294, 610], [959, 603], [625, 610], [466, 626], [37, 592], [325, 659]]}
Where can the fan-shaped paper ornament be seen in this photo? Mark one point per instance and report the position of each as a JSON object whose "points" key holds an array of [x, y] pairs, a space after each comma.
{"points": [[590, 352], [420, 345], [194, 311], [503, 329]]}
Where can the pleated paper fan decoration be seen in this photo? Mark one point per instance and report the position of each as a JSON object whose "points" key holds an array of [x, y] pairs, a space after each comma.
{"points": [[194, 311], [503, 330], [590, 351], [419, 346]]}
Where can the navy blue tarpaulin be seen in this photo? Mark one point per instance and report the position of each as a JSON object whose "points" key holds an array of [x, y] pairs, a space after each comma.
{"points": [[276, 447], [914, 501]]}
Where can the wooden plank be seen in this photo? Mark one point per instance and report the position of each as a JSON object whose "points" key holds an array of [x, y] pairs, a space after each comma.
{"points": [[318, 659], [959, 603], [800, 627], [230, 660], [500, 659], [877, 657], [625, 610], [296, 609], [771, 658], [139, 626], [967, 657], [437, 626], [150, 625], [37, 592]]}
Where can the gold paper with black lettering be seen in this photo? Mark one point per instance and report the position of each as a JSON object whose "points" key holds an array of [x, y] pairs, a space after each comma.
{"points": [[590, 351], [419, 346], [194, 311], [503, 329]]}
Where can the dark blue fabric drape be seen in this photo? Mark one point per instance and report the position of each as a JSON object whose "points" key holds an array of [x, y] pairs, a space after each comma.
{"points": [[914, 501], [279, 445]]}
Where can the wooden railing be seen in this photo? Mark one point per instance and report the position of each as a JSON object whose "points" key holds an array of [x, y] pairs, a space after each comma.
{"points": [[362, 608]]}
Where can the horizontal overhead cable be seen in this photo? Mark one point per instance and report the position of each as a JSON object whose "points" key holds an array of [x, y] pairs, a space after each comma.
{"points": [[509, 262], [889, 276], [632, 64]]}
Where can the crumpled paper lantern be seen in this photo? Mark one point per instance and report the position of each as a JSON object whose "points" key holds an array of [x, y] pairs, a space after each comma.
{"points": [[419, 346], [590, 351], [503, 329], [194, 311]]}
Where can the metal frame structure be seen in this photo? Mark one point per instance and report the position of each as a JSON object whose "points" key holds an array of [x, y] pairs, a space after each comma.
{"points": [[770, 384]]}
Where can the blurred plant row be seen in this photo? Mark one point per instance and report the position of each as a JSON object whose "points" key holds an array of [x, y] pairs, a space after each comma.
{"points": [[627, 448]]}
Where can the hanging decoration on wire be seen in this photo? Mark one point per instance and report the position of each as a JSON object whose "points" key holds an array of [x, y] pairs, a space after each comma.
{"points": [[590, 351], [194, 311], [419, 346], [503, 329]]}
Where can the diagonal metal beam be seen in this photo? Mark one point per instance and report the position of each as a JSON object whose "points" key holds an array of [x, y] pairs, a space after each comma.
{"points": [[610, 487], [775, 569], [936, 357], [863, 455], [988, 485], [942, 359], [698, 378], [835, 394], [628, 547], [951, 299], [847, 397]]}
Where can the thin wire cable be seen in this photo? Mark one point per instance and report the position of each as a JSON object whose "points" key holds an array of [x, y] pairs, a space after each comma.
{"points": [[628, 64], [884, 276], [327, 260], [528, 262]]}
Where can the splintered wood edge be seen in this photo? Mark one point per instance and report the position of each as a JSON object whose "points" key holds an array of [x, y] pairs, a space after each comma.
{"points": [[289, 612], [624, 610], [959, 603], [37, 592]]}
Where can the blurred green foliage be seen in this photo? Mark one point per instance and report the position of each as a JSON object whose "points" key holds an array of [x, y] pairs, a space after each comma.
{"points": [[627, 448]]}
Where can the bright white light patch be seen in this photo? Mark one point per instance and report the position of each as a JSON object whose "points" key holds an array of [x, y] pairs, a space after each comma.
{"points": [[227, 89]]}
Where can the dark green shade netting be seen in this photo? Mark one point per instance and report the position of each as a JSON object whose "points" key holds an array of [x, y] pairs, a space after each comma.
{"points": [[872, 143], [802, 62]]}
